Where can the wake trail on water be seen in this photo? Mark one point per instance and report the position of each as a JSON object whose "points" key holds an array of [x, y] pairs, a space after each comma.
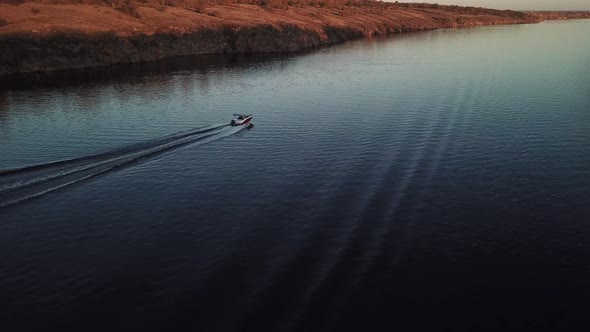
{"points": [[24, 183]]}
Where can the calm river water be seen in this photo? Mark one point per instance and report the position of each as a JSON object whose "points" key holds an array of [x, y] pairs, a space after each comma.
{"points": [[436, 181]]}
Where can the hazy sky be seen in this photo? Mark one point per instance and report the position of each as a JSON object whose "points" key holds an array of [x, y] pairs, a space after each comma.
{"points": [[517, 4]]}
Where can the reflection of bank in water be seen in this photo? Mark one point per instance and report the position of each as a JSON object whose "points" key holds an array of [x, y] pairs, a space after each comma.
{"points": [[202, 65]]}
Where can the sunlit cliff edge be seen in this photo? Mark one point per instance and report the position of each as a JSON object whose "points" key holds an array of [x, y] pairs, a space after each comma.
{"points": [[41, 36]]}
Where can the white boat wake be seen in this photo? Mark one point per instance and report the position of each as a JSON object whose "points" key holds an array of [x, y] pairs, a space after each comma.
{"points": [[24, 183]]}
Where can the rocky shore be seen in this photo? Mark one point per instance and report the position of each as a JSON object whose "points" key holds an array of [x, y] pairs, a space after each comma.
{"points": [[37, 37]]}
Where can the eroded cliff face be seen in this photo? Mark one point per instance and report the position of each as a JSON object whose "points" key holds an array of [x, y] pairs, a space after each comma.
{"points": [[49, 48], [20, 53]]}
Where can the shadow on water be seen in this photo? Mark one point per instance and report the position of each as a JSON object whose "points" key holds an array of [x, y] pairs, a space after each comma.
{"points": [[202, 64], [128, 73]]}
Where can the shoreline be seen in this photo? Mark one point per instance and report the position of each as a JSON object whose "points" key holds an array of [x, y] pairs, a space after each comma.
{"points": [[153, 35]]}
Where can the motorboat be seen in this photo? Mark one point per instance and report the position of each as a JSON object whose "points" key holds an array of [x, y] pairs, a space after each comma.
{"points": [[241, 119]]}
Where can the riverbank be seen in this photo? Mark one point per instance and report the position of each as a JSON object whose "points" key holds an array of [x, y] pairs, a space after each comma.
{"points": [[37, 37]]}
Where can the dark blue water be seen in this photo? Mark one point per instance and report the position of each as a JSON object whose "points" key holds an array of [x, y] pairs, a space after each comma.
{"points": [[437, 181]]}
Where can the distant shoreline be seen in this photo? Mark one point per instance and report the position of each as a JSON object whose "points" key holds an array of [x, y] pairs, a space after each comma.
{"points": [[40, 37]]}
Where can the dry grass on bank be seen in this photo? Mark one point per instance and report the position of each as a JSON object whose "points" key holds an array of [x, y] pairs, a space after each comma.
{"points": [[131, 6], [148, 16]]}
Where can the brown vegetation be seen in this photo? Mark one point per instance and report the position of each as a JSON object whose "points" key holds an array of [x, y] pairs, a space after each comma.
{"points": [[150, 16], [131, 6], [43, 35], [560, 15]]}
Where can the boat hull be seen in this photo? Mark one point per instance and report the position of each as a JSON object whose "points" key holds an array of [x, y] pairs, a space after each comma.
{"points": [[238, 122]]}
